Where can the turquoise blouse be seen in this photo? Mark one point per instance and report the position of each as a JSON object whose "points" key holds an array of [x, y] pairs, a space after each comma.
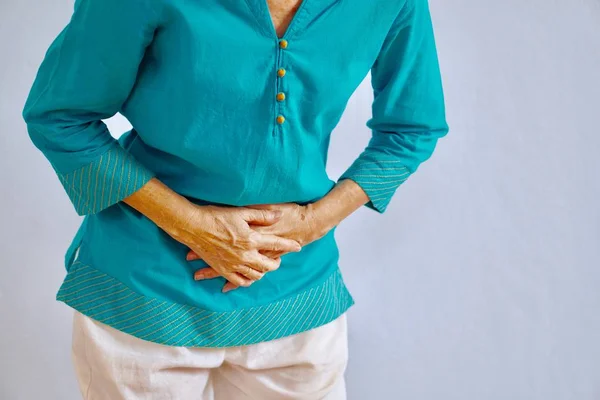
{"points": [[223, 112]]}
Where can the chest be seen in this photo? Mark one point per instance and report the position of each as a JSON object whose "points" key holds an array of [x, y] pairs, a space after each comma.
{"points": [[218, 66], [282, 12]]}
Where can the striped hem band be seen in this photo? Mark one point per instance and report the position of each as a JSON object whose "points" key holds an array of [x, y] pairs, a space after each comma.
{"points": [[107, 300]]}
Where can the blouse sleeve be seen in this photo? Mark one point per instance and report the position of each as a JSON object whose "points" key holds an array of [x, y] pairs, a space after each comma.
{"points": [[86, 75], [408, 112]]}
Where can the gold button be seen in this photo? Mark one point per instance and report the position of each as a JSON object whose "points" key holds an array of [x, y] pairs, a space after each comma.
{"points": [[280, 119], [281, 72], [280, 96], [283, 43]]}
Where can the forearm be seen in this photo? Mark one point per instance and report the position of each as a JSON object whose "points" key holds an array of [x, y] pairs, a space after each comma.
{"points": [[161, 205], [341, 201], [170, 211]]}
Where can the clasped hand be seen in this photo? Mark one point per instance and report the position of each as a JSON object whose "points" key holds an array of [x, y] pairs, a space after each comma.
{"points": [[242, 244]]}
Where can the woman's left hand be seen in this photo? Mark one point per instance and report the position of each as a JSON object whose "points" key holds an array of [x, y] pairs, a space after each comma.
{"points": [[297, 222]]}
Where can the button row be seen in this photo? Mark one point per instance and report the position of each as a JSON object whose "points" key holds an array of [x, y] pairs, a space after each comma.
{"points": [[283, 44]]}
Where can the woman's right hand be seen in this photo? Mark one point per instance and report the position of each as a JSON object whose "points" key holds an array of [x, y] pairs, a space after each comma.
{"points": [[222, 237]]}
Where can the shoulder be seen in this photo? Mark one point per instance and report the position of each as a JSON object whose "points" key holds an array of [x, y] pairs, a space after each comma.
{"points": [[134, 6]]}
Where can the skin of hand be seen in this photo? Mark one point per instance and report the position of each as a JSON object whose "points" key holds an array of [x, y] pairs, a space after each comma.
{"points": [[297, 222], [221, 236], [301, 223]]}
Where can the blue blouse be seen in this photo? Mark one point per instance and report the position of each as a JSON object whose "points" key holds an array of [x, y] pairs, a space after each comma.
{"points": [[223, 112]]}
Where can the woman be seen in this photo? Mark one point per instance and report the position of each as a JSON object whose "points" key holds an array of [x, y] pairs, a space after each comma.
{"points": [[206, 265]]}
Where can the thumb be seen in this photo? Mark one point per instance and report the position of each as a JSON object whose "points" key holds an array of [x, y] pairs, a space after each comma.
{"points": [[262, 217]]}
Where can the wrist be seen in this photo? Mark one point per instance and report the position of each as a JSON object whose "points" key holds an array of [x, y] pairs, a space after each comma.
{"points": [[322, 219], [341, 201], [183, 221], [165, 208]]}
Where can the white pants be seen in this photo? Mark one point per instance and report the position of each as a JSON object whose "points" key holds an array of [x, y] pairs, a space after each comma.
{"points": [[112, 365]]}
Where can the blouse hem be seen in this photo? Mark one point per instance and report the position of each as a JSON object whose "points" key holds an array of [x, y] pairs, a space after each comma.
{"points": [[109, 301]]}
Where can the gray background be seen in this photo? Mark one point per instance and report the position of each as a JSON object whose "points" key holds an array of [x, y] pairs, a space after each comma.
{"points": [[481, 280]]}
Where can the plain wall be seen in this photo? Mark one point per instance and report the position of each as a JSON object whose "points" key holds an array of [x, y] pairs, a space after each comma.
{"points": [[481, 280]]}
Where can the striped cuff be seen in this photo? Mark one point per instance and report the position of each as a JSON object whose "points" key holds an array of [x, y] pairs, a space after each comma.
{"points": [[112, 177], [379, 178]]}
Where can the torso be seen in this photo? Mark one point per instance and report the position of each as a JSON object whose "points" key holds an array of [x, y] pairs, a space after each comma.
{"points": [[206, 117], [282, 13]]}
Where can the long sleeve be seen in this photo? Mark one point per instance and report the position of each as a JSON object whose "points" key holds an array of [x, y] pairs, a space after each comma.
{"points": [[86, 75], [408, 112]]}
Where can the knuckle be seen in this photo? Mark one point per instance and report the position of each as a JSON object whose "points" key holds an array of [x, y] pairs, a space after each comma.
{"points": [[254, 239], [236, 268], [273, 265], [256, 267], [245, 282], [246, 271], [238, 281], [256, 262], [268, 266], [246, 257], [274, 245], [256, 276], [249, 273]]}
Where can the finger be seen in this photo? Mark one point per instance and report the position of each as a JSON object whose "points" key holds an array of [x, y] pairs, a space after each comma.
{"points": [[237, 279], [271, 254], [263, 206], [192, 256], [205, 273], [262, 263], [261, 217], [277, 243], [249, 273], [263, 229], [228, 287]]}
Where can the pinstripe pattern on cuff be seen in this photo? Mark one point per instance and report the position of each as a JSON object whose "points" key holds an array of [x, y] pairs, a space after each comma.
{"points": [[378, 178], [114, 176]]}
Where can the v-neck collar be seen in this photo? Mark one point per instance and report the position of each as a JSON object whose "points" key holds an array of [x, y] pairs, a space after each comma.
{"points": [[290, 26], [300, 20]]}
